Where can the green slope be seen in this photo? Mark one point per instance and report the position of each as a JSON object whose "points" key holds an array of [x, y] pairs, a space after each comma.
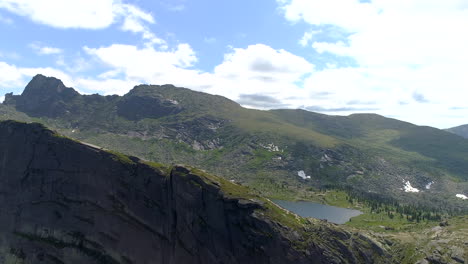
{"points": [[264, 149]]}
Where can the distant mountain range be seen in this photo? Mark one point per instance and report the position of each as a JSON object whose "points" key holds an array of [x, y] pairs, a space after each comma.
{"points": [[459, 130], [273, 152]]}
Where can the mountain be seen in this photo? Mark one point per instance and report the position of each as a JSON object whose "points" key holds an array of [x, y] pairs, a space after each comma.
{"points": [[365, 154], [459, 130], [62, 201]]}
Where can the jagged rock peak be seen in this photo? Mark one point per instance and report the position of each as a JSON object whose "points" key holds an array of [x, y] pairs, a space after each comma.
{"points": [[46, 96], [41, 84]]}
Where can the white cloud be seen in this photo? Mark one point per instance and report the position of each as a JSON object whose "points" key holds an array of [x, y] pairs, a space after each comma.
{"points": [[134, 18], [44, 50], [261, 62], [110, 74], [135, 21], [105, 86], [145, 64], [267, 77], [86, 14], [259, 70], [2, 98], [304, 41], [148, 65], [13, 78], [255, 69], [10, 76], [348, 14], [49, 50], [128, 65], [335, 88], [401, 47]]}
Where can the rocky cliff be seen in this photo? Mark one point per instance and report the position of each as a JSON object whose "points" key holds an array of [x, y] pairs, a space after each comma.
{"points": [[62, 201]]}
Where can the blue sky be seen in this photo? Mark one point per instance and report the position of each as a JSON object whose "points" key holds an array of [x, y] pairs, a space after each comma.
{"points": [[405, 59]]}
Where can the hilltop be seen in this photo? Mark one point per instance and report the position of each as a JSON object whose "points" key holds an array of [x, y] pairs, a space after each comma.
{"points": [[459, 130]]}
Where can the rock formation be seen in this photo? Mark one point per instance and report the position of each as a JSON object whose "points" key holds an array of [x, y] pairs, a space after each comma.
{"points": [[44, 96], [62, 201]]}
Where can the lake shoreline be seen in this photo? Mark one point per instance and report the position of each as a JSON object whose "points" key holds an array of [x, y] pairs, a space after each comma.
{"points": [[334, 214]]}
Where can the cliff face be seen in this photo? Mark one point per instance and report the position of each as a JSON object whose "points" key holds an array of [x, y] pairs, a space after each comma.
{"points": [[62, 201]]}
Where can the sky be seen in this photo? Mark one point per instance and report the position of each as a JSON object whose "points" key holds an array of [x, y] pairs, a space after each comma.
{"points": [[404, 59]]}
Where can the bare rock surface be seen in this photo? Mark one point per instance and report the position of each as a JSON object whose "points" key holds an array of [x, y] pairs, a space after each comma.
{"points": [[65, 202]]}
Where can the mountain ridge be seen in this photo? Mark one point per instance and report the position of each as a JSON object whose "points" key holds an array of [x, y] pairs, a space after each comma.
{"points": [[461, 130], [265, 149]]}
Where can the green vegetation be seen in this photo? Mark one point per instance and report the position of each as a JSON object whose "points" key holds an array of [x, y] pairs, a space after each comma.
{"points": [[162, 168], [389, 222], [335, 198], [383, 214], [121, 157], [366, 152], [274, 212]]}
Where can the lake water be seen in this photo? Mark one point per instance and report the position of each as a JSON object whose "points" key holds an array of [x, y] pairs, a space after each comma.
{"points": [[332, 214]]}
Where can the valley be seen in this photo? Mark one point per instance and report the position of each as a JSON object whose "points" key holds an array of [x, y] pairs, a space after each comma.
{"points": [[407, 180], [267, 150]]}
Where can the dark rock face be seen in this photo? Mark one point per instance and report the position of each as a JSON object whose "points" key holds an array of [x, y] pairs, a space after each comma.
{"points": [[137, 105], [65, 202], [44, 96]]}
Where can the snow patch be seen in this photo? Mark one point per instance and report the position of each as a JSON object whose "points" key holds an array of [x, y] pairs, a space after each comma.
{"points": [[302, 174], [462, 196], [409, 188], [174, 102], [428, 186], [271, 147]]}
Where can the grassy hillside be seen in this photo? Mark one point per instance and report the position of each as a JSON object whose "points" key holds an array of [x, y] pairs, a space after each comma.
{"points": [[263, 149]]}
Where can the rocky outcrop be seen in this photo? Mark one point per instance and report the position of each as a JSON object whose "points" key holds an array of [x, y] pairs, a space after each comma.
{"points": [[141, 103], [66, 202], [178, 125], [48, 96], [43, 96]]}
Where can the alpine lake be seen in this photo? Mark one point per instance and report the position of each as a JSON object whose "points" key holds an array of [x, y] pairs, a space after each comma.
{"points": [[332, 214]]}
